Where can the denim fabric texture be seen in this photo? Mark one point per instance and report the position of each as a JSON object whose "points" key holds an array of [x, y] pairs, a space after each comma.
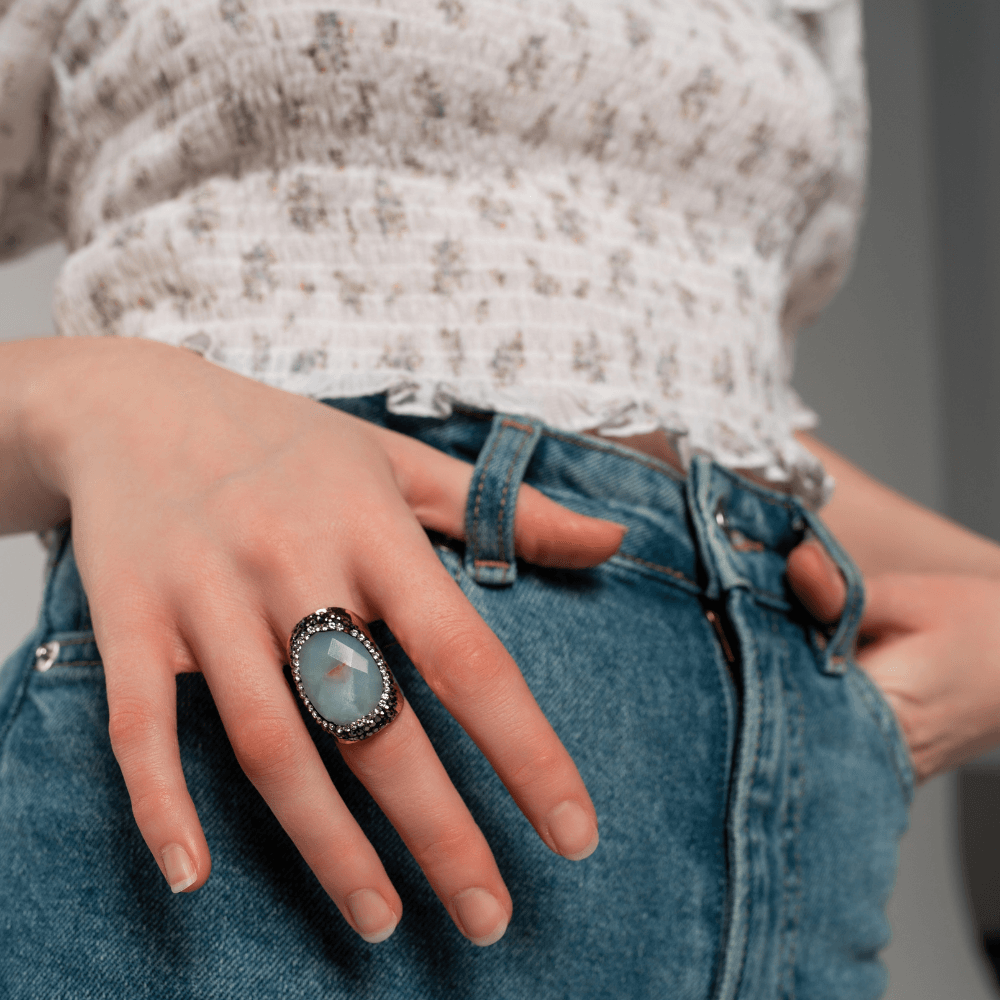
{"points": [[750, 811]]}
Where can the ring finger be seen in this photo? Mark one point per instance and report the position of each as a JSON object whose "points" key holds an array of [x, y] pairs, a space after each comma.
{"points": [[273, 747]]}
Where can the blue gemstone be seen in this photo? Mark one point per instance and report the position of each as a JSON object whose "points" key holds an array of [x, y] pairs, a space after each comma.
{"points": [[339, 676]]}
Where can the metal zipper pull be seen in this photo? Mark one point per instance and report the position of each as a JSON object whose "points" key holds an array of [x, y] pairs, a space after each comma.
{"points": [[45, 656]]}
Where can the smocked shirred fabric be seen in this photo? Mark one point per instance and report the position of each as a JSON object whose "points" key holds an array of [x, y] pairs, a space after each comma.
{"points": [[604, 215]]}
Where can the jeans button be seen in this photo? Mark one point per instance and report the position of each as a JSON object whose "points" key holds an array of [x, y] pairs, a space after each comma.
{"points": [[45, 656], [720, 517]]}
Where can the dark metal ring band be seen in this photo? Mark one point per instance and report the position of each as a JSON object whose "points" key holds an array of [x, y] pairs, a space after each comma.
{"points": [[386, 704]]}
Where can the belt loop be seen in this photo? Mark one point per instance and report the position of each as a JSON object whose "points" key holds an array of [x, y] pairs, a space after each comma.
{"points": [[707, 495], [489, 510], [840, 646]]}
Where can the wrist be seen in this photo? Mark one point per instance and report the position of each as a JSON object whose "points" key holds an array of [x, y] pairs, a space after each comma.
{"points": [[885, 532], [30, 500], [66, 397]]}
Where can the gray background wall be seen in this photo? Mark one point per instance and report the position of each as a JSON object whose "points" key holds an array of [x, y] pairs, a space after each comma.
{"points": [[902, 369]]}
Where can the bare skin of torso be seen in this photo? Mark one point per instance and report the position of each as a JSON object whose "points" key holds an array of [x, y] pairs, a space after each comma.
{"points": [[656, 444]]}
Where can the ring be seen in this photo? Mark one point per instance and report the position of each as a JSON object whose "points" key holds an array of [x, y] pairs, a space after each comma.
{"points": [[342, 678]]}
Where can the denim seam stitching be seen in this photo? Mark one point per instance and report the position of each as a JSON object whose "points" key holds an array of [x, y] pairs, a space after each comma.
{"points": [[854, 617], [527, 428], [677, 574], [766, 593], [479, 497], [875, 709], [783, 853], [799, 751], [746, 819], [683, 586], [747, 545], [501, 546], [730, 756]]}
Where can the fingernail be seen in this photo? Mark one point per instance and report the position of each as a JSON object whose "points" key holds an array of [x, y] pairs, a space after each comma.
{"points": [[179, 868], [372, 916], [623, 529], [481, 918], [573, 831]]}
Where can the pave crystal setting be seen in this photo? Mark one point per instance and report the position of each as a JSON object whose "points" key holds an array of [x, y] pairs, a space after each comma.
{"points": [[390, 700]]}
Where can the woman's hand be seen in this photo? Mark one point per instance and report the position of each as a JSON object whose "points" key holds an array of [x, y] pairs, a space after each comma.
{"points": [[210, 513], [931, 642]]}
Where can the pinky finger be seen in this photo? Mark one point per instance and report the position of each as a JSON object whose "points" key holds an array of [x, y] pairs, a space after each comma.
{"points": [[142, 706]]}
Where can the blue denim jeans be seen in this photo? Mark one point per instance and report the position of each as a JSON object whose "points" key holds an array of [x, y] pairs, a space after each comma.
{"points": [[750, 782]]}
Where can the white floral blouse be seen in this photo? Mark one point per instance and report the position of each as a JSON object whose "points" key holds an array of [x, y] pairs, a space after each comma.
{"points": [[608, 215]]}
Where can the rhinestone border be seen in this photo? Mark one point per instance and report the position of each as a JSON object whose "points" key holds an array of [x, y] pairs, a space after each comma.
{"points": [[391, 701]]}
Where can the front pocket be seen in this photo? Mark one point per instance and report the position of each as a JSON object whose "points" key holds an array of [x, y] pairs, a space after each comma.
{"points": [[879, 709]]}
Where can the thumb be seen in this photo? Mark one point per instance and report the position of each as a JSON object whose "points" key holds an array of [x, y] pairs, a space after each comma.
{"points": [[816, 581]]}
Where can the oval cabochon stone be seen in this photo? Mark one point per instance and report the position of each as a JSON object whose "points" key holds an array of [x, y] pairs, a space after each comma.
{"points": [[339, 676]]}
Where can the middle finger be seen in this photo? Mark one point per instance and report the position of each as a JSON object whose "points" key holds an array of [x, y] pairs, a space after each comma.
{"points": [[477, 680], [404, 775]]}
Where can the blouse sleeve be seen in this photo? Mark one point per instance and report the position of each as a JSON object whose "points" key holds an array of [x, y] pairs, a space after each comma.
{"points": [[28, 30]]}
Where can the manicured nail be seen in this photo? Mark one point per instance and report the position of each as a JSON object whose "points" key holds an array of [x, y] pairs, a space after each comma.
{"points": [[372, 916], [624, 533], [481, 918], [179, 868], [573, 831]]}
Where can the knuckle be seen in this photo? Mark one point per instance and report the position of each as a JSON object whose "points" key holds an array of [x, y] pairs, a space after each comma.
{"points": [[266, 748], [451, 847], [152, 804], [465, 665], [540, 526], [129, 726], [268, 531], [543, 766], [273, 546], [538, 549], [402, 742]]}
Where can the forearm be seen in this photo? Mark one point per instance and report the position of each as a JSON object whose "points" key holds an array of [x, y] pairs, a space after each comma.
{"points": [[885, 532]]}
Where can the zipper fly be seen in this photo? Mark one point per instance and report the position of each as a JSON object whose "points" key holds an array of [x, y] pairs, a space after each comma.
{"points": [[727, 649]]}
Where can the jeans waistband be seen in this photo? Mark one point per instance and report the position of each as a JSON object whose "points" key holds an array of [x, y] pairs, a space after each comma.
{"points": [[712, 531]]}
